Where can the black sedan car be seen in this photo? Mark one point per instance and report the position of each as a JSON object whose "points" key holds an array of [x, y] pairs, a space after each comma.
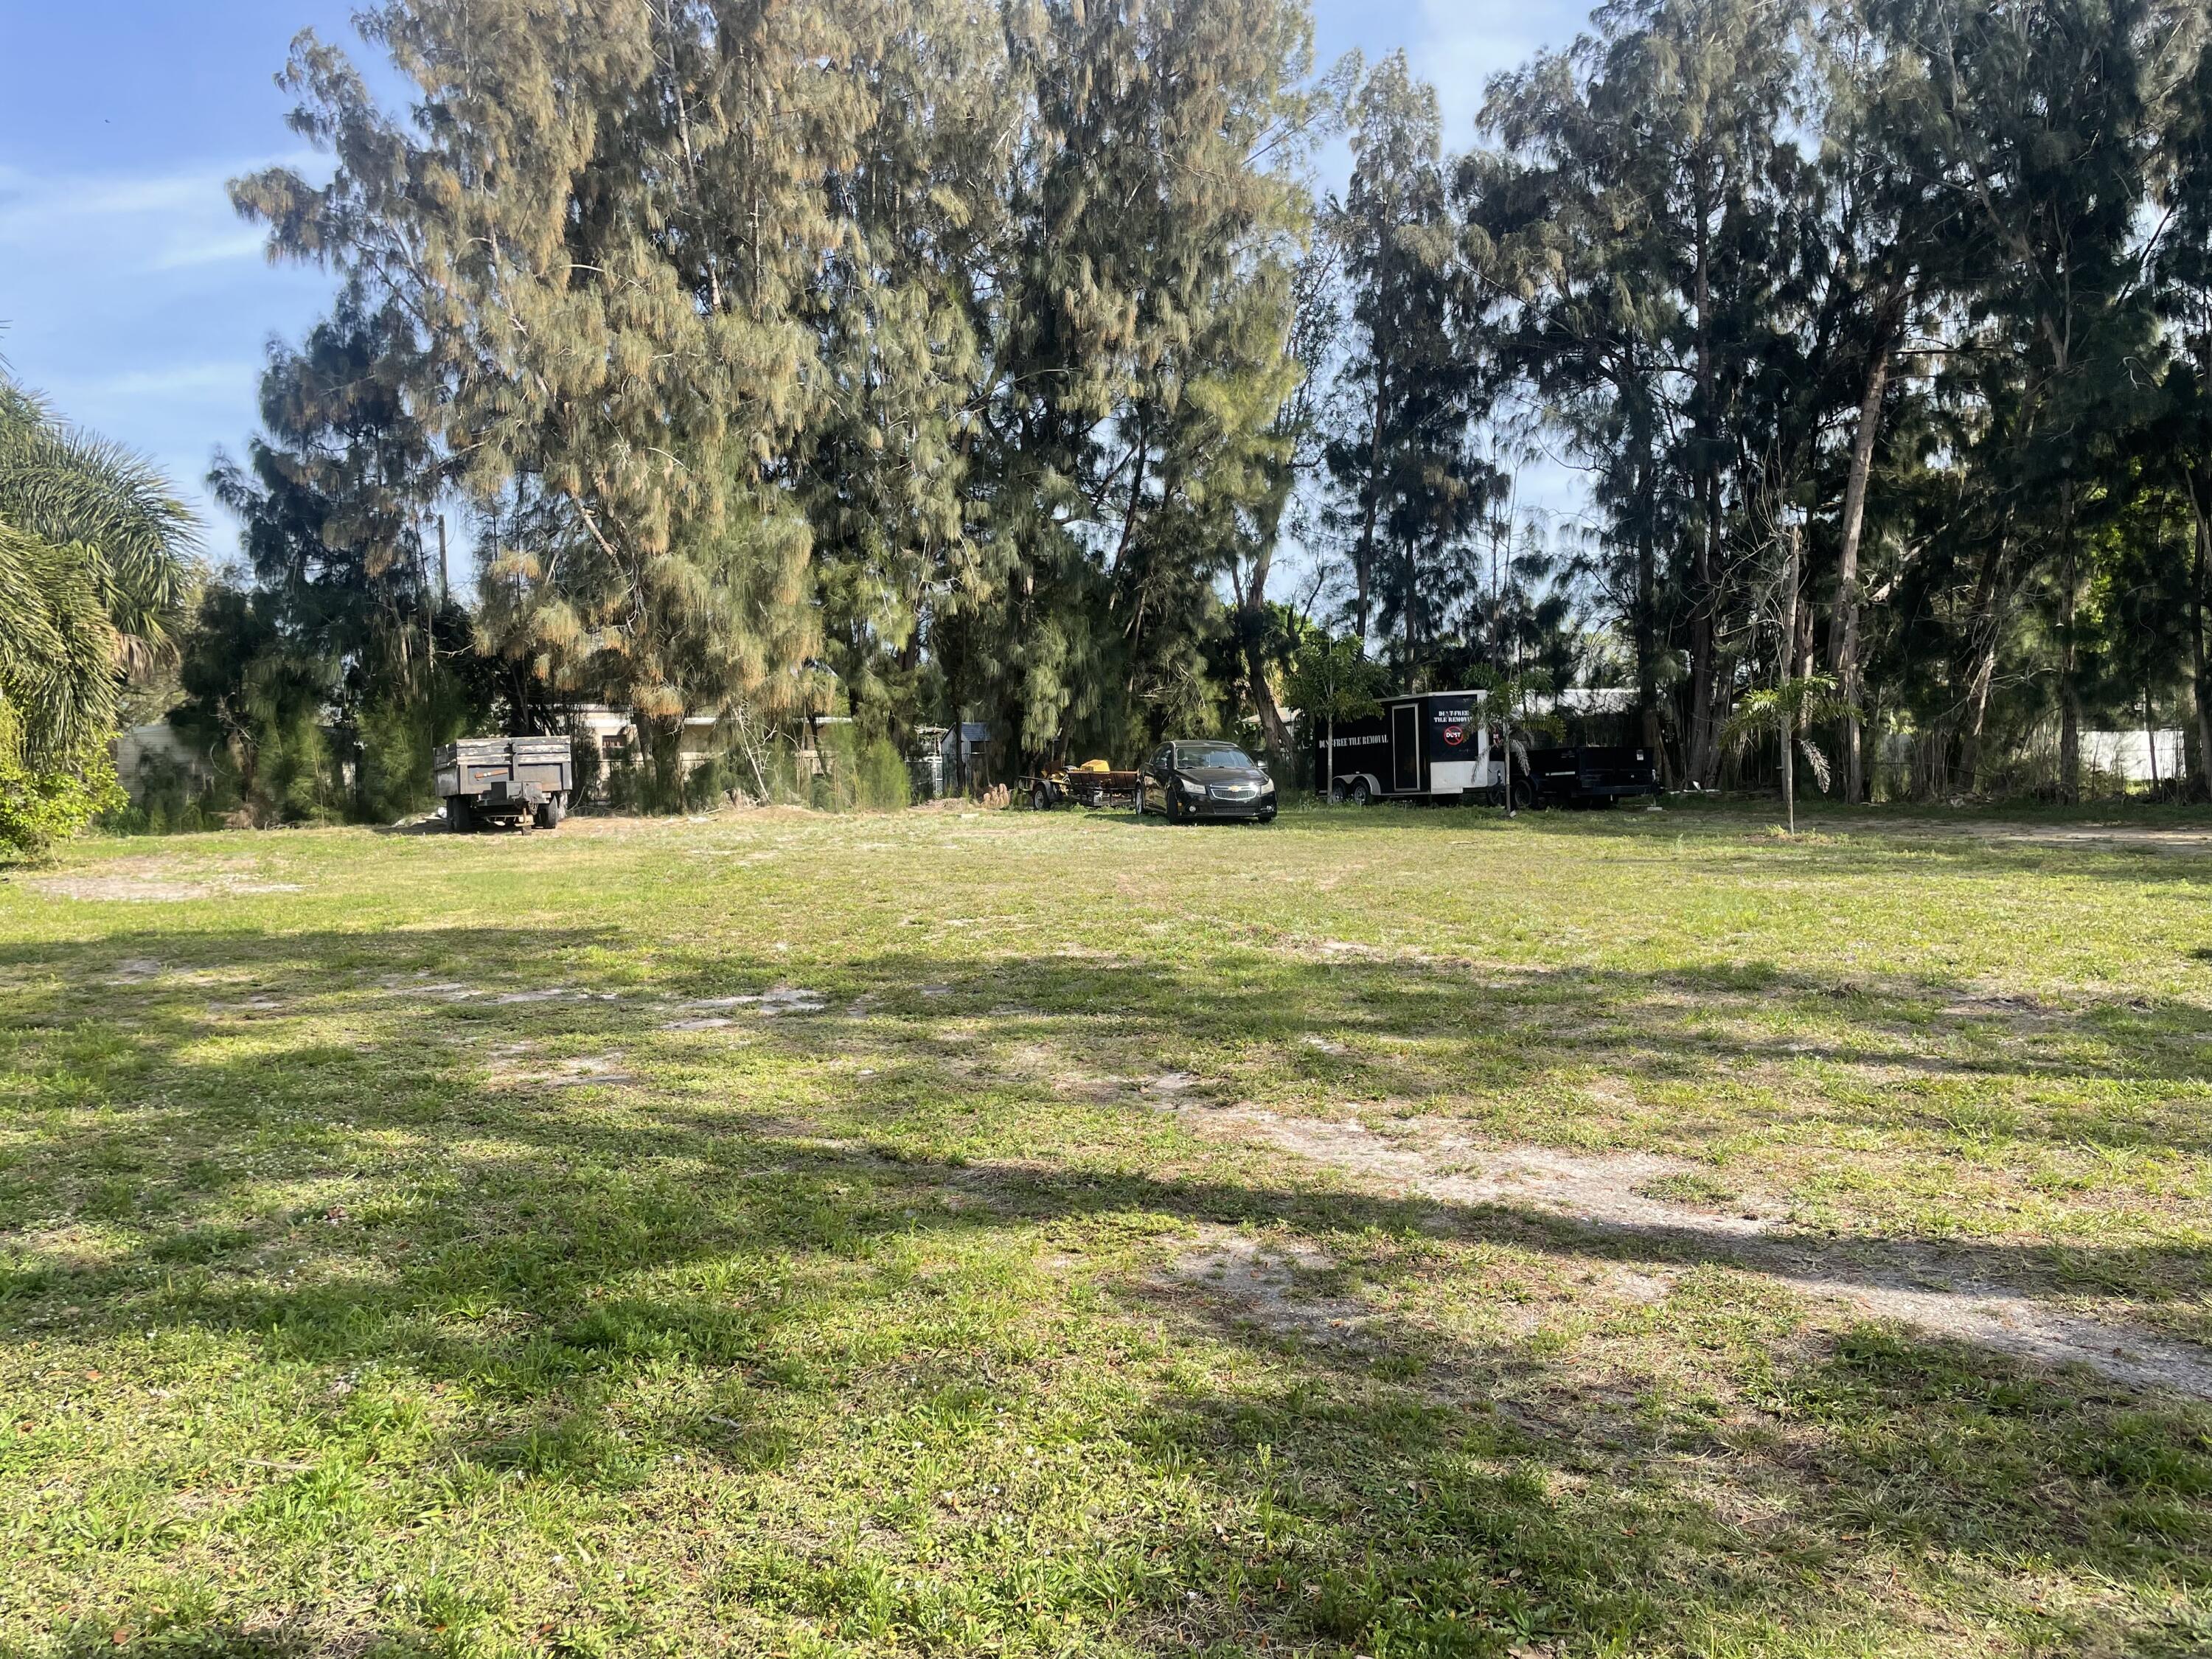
{"points": [[1192, 780]]}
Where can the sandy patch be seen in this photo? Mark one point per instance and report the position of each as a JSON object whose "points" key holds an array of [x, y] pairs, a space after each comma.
{"points": [[769, 1004], [138, 889], [459, 991], [1258, 1283], [582, 1071], [1906, 1281], [1580, 1186], [165, 880]]}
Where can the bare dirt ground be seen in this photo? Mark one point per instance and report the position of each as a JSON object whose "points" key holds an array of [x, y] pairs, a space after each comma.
{"points": [[1950, 1293]]}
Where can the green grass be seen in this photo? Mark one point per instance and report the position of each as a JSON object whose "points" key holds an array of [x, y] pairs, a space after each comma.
{"points": [[1016, 1298]]}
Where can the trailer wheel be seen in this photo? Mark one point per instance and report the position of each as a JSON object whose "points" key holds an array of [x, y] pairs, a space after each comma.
{"points": [[1360, 794], [551, 811], [1039, 798], [458, 819], [1524, 794]]}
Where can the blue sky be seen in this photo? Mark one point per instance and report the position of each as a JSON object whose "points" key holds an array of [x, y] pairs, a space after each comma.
{"points": [[133, 296]]}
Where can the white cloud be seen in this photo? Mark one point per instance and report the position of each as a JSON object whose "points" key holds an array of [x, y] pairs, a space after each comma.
{"points": [[179, 380], [186, 251], [158, 222]]}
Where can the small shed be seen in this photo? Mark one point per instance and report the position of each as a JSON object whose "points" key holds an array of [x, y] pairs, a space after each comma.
{"points": [[963, 755]]}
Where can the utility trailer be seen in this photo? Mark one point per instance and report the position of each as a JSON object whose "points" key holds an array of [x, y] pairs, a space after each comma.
{"points": [[1591, 774], [524, 780], [1092, 785], [1434, 746]]}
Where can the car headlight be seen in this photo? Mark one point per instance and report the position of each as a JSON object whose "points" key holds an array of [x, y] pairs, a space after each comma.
{"points": [[1191, 786]]}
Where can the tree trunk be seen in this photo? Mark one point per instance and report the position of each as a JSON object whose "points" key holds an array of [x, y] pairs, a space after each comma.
{"points": [[1407, 601], [2150, 737], [1984, 676], [1647, 608], [1979, 669], [2200, 683], [1364, 561], [1252, 627], [1274, 728], [1844, 642], [2070, 688], [1705, 753], [1792, 576]]}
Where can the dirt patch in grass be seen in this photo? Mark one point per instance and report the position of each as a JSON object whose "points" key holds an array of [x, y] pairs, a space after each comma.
{"points": [[768, 1004], [1609, 1187], [512, 1071], [1941, 1291], [1258, 1282], [150, 890]]}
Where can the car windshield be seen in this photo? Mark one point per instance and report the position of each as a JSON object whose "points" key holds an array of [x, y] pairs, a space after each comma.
{"points": [[1211, 754]]}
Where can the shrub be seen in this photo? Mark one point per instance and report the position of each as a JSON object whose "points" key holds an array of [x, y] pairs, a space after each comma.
{"points": [[884, 783], [46, 801]]}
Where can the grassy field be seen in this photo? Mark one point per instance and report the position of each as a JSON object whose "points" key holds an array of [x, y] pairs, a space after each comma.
{"points": [[1384, 1233]]}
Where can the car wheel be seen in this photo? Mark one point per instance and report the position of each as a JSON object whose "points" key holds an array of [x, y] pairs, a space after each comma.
{"points": [[1268, 817], [1141, 798], [1361, 794]]}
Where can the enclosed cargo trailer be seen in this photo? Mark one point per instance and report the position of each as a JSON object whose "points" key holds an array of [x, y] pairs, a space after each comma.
{"points": [[1433, 745]]}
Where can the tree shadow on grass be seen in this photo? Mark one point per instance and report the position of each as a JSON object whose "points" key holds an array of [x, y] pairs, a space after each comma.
{"points": [[610, 1274]]}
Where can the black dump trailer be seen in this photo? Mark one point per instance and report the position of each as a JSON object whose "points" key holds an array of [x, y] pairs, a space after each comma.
{"points": [[521, 780], [1590, 775], [1432, 746]]}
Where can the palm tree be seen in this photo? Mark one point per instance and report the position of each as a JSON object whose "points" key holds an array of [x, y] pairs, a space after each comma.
{"points": [[1792, 703], [1515, 697], [1787, 710], [98, 561]]}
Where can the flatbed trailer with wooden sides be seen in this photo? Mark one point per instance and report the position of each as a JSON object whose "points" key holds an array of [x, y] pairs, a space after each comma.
{"points": [[523, 780]]}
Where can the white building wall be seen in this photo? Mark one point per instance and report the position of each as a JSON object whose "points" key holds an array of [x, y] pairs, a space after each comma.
{"points": [[2129, 754]]}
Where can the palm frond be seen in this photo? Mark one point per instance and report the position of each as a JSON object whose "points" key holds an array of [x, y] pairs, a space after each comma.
{"points": [[1798, 703], [57, 647], [139, 543], [1817, 759]]}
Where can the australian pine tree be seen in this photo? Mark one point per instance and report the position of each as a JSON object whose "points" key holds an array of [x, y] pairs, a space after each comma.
{"points": [[1553, 218], [1409, 487], [905, 304], [1139, 366], [2180, 444], [339, 501], [2041, 116], [606, 340]]}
